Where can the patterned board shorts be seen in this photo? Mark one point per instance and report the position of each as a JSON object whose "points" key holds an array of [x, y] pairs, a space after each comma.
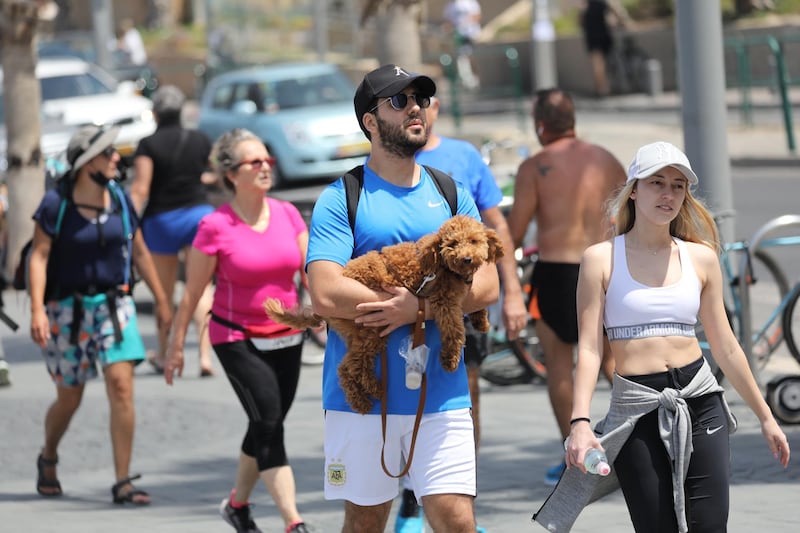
{"points": [[72, 365]]}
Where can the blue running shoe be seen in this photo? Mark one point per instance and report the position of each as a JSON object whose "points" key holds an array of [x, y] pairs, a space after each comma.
{"points": [[409, 517], [553, 474], [479, 529]]}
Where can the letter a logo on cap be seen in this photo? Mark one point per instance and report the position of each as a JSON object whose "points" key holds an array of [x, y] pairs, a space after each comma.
{"points": [[400, 72]]}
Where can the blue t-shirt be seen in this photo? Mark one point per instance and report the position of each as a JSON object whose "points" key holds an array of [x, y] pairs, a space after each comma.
{"points": [[387, 214], [462, 162], [79, 256]]}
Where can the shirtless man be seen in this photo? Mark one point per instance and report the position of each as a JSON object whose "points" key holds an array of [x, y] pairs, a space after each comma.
{"points": [[564, 187]]}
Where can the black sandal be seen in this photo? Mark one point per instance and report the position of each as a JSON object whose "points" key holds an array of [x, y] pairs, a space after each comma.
{"points": [[128, 497], [44, 482]]}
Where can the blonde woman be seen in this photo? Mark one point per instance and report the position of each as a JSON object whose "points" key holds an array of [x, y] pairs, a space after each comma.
{"points": [[254, 245], [667, 429]]}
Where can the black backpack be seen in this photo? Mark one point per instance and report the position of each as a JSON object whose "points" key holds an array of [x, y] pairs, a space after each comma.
{"points": [[354, 182]]}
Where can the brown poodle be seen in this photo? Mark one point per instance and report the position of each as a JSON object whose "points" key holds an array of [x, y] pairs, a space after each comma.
{"points": [[447, 259]]}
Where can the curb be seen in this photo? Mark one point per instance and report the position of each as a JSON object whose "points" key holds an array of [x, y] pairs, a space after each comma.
{"points": [[482, 107], [770, 162]]}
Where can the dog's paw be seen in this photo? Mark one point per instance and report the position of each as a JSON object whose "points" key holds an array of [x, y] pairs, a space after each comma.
{"points": [[480, 320]]}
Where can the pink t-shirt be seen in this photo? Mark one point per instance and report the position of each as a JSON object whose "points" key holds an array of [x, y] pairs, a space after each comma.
{"points": [[251, 266]]}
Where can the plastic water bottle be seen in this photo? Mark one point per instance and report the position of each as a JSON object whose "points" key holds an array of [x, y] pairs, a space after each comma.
{"points": [[596, 462]]}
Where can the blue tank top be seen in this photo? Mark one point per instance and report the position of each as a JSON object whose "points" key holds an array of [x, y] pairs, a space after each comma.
{"points": [[634, 310]]}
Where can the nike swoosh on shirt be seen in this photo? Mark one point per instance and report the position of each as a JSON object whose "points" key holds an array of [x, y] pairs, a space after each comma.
{"points": [[437, 204], [710, 431]]}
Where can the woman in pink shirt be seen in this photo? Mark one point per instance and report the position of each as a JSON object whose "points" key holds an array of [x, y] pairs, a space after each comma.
{"points": [[254, 245]]}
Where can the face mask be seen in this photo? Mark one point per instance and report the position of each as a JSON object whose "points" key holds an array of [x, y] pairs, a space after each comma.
{"points": [[99, 178]]}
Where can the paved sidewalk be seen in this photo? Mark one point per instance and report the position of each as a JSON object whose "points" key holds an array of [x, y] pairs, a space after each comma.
{"points": [[188, 436]]}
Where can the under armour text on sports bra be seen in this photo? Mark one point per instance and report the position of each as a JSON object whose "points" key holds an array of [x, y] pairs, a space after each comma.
{"points": [[634, 310]]}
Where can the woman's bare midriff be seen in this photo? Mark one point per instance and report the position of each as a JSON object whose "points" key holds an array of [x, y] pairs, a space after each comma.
{"points": [[654, 354]]}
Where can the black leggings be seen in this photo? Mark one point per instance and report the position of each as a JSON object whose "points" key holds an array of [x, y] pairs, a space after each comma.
{"points": [[643, 466], [266, 383]]}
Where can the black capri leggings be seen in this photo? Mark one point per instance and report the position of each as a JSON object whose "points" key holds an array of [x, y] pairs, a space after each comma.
{"points": [[643, 466], [266, 383]]}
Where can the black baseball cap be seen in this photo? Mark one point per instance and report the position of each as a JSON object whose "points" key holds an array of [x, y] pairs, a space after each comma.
{"points": [[384, 81]]}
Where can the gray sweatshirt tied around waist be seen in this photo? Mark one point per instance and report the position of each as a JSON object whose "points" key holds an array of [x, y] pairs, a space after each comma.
{"points": [[629, 402]]}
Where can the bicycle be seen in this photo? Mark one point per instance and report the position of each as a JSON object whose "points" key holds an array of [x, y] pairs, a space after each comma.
{"points": [[520, 361], [776, 294]]}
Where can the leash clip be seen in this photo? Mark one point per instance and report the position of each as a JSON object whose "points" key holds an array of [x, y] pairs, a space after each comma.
{"points": [[425, 281]]}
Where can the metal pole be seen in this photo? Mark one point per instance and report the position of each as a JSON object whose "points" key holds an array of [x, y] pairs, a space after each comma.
{"points": [[786, 104], [701, 75], [104, 34], [702, 86], [543, 48]]}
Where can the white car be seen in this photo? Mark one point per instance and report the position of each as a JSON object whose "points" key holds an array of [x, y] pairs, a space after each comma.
{"points": [[76, 93]]}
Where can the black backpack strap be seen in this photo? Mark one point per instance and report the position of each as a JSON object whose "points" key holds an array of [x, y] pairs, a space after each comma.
{"points": [[446, 186], [353, 182]]}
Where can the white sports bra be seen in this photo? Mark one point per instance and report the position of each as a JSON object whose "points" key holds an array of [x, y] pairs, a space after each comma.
{"points": [[635, 311]]}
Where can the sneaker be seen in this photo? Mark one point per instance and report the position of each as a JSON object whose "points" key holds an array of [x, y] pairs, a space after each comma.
{"points": [[239, 518], [409, 517], [5, 374], [299, 527], [553, 474]]}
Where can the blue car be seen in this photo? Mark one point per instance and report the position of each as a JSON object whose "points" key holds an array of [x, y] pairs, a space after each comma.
{"points": [[303, 113]]}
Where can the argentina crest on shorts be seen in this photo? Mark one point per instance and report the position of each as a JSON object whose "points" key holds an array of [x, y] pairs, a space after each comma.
{"points": [[337, 475]]}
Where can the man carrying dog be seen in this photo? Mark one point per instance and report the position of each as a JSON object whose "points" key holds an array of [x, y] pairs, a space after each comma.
{"points": [[399, 201], [462, 161]]}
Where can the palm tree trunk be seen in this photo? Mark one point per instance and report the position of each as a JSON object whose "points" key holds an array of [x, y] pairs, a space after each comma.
{"points": [[397, 30], [21, 99]]}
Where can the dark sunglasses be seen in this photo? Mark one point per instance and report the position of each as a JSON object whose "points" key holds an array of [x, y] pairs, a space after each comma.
{"points": [[400, 101], [109, 152], [256, 163]]}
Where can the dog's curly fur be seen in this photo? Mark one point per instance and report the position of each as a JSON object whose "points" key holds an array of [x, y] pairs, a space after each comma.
{"points": [[453, 254]]}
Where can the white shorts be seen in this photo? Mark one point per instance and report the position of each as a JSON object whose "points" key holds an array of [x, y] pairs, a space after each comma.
{"points": [[443, 462]]}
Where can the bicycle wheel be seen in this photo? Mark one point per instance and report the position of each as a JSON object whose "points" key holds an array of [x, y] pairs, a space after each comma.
{"points": [[791, 323], [501, 366], [770, 286], [514, 362], [706, 349], [528, 352]]}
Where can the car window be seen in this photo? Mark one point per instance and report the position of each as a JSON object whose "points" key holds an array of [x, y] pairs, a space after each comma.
{"points": [[221, 98], [249, 92], [71, 86], [312, 91]]}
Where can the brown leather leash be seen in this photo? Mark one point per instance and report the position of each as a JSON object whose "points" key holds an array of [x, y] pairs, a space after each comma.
{"points": [[418, 339]]}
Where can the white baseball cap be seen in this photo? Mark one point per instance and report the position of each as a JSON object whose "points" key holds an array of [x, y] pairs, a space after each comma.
{"points": [[652, 157]]}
